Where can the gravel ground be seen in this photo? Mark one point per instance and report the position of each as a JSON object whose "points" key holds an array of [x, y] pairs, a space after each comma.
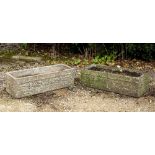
{"points": [[79, 99]]}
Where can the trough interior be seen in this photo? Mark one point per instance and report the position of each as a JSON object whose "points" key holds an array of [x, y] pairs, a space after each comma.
{"points": [[116, 71], [38, 71]]}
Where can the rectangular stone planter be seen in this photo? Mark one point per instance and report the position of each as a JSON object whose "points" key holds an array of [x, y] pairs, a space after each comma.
{"points": [[123, 81], [27, 82]]}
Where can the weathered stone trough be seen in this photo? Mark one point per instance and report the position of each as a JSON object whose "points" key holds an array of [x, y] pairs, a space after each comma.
{"points": [[123, 81], [27, 82]]}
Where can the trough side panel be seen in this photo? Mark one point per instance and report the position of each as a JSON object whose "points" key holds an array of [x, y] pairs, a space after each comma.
{"points": [[144, 84], [120, 77], [11, 86], [123, 87], [94, 79], [48, 83]]}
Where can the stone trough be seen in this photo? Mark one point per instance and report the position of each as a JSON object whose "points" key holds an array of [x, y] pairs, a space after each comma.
{"points": [[119, 80], [28, 82]]}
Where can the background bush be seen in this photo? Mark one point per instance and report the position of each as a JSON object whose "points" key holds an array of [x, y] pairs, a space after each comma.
{"points": [[100, 51]]}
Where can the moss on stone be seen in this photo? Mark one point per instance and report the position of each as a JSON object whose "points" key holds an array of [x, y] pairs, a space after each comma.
{"points": [[127, 85]]}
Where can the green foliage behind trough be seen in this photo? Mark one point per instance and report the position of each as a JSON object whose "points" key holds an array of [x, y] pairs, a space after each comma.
{"points": [[86, 52], [101, 51]]}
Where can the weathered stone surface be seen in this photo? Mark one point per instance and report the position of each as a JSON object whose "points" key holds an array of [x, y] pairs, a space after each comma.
{"points": [[2, 77], [115, 82], [38, 80], [152, 83]]}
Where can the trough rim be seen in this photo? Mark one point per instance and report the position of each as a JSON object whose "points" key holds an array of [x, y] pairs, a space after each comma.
{"points": [[87, 68], [17, 78]]}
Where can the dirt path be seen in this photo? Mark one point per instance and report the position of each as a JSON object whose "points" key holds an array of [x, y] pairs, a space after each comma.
{"points": [[64, 100], [79, 99]]}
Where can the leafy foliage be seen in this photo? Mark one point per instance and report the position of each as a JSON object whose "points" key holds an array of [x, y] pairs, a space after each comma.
{"points": [[104, 59], [96, 52]]}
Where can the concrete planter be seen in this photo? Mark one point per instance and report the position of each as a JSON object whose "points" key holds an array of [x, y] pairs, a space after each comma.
{"points": [[39, 80], [124, 81]]}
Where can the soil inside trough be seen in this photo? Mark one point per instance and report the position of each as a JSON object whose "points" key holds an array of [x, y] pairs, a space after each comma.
{"points": [[123, 72]]}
